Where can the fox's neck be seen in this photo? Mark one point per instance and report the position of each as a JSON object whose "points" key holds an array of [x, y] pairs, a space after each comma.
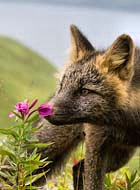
{"points": [[133, 97], [125, 118]]}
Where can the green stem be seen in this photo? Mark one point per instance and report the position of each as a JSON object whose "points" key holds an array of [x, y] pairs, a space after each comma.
{"points": [[20, 180]]}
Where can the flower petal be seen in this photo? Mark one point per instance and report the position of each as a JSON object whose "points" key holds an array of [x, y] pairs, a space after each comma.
{"points": [[11, 115], [22, 107], [45, 110]]}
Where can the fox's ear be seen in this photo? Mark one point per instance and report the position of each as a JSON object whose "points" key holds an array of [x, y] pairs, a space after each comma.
{"points": [[120, 57], [80, 46]]}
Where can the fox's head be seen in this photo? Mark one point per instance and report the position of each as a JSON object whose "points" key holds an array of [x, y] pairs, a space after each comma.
{"points": [[95, 83]]}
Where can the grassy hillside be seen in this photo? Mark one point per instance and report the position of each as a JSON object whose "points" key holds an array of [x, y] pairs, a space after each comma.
{"points": [[23, 74]]}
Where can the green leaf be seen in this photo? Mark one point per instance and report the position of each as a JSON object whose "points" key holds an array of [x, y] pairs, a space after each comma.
{"points": [[108, 180], [9, 132], [6, 175], [35, 157], [38, 145], [32, 187], [128, 182], [33, 154], [35, 129], [8, 153], [33, 162], [33, 118], [135, 183], [3, 174], [133, 176], [121, 188], [29, 180], [31, 139]]}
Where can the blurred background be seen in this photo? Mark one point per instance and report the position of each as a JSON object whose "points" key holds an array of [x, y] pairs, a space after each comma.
{"points": [[44, 24], [35, 37]]}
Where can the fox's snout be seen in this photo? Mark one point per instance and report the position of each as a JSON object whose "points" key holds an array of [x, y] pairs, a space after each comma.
{"points": [[59, 114]]}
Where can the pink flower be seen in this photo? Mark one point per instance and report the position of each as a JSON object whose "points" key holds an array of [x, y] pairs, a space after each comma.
{"points": [[45, 110], [23, 110], [22, 107], [11, 115]]}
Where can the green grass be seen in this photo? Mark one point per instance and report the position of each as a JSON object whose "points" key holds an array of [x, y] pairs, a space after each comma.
{"points": [[23, 74]]}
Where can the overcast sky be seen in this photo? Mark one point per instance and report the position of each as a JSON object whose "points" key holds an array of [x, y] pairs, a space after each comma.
{"points": [[128, 5], [45, 27]]}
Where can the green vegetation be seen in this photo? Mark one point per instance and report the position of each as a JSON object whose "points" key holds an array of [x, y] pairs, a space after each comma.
{"points": [[23, 74], [127, 178], [17, 166]]}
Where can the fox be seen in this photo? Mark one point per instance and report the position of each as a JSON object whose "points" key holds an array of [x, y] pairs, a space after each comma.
{"points": [[97, 102]]}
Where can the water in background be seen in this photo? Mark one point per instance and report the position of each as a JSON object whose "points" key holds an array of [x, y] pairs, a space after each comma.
{"points": [[45, 27]]}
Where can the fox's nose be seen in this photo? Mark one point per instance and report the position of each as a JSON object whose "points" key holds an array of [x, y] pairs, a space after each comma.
{"points": [[54, 108]]}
